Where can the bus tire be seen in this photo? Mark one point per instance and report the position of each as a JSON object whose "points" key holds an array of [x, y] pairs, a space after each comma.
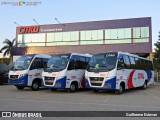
{"points": [[35, 85], [144, 85], [53, 89], [120, 90], [20, 87], [73, 87]]}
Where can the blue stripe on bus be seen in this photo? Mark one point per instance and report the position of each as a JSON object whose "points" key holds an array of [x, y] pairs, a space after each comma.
{"points": [[22, 81], [61, 81], [149, 75]]}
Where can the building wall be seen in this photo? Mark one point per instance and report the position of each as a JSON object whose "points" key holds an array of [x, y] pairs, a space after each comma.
{"points": [[145, 47], [131, 48]]}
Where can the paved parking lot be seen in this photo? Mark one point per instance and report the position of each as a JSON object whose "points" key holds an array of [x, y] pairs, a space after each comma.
{"points": [[12, 99]]}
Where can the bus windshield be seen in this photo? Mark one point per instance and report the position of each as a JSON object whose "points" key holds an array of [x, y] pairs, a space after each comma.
{"points": [[22, 63], [57, 63], [102, 62]]}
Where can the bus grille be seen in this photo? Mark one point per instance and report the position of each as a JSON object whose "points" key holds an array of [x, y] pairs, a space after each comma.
{"points": [[96, 81], [49, 80], [13, 77]]}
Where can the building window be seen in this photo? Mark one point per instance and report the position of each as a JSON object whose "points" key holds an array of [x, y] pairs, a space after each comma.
{"points": [[116, 36], [91, 37], [74, 36], [31, 40], [62, 38], [140, 34], [58, 36]]}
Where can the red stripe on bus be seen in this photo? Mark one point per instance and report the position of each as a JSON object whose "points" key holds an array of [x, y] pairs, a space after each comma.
{"points": [[130, 83]]}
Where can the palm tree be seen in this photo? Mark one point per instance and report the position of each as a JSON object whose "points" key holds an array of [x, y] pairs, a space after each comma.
{"points": [[8, 48]]}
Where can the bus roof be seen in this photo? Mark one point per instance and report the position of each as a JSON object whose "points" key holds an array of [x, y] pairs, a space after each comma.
{"points": [[85, 55], [126, 53], [37, 55]]}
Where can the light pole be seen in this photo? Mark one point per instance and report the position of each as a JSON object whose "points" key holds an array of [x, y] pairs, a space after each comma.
{"points": [[17, 24], [59, 22], [35, 21]]}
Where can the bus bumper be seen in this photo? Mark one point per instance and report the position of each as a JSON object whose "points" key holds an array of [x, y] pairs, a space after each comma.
{"points": [[109, 84], [22, 81], [59, 84]]}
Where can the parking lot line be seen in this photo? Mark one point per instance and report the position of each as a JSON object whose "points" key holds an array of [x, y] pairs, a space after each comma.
{"points": [[80, 103]]}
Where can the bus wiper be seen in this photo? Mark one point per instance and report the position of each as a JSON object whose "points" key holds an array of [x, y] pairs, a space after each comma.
{"points": [[55, 66], [14, 68], [94, 68], [104, 67], [20, 67]]}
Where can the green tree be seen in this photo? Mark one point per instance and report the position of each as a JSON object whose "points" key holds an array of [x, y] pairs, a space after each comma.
{"points": [[156, 54], [8, 48]]}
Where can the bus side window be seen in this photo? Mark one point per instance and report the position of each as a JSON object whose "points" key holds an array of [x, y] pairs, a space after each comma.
{"points": [[150, 65], [133, 64], [82, 63], [87, 59], [127, 62], [143, 63], [37, 63], [121, 64], [138, 64], [44, 61], [73, 64]]}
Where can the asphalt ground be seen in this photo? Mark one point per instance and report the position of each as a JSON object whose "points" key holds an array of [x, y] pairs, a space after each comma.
{"points": [[137, 99]]}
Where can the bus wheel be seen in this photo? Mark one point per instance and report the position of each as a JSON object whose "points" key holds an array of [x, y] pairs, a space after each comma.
{"points": [[20, 87], [53, 89], [73, 87], [120, 90], [35, 86], [144, 85]]}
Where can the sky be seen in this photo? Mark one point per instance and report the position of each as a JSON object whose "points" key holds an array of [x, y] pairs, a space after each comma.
{"points": [[68, 11]]}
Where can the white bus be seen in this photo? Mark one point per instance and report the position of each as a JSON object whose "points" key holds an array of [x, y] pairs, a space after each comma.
{"points": [[27, 71], [66, 71], [118, 71]]}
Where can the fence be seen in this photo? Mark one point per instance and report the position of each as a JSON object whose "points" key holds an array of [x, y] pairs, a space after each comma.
{"points": [[157, 76]]}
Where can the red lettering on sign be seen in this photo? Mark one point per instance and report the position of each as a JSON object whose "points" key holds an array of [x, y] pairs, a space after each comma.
{"points": [[28, 29], [53, 74], [73, 76], [140, 75], [121, 77], [102, 74], [18, 73]]}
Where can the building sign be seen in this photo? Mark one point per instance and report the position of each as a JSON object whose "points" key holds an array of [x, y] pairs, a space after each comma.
{"points": [[50, 30], [28, 29]]}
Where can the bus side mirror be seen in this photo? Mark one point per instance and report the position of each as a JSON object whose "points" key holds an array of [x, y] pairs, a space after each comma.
{"points": [[71, 59], [120, 59]]}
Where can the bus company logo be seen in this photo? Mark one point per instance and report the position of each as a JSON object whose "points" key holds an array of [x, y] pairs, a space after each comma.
{"points": [[28, 29], [21, 3], [6, 114], [140, 75]]}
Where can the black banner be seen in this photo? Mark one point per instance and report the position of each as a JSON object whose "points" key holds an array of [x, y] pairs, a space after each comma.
{"points": [[79, 114]]}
